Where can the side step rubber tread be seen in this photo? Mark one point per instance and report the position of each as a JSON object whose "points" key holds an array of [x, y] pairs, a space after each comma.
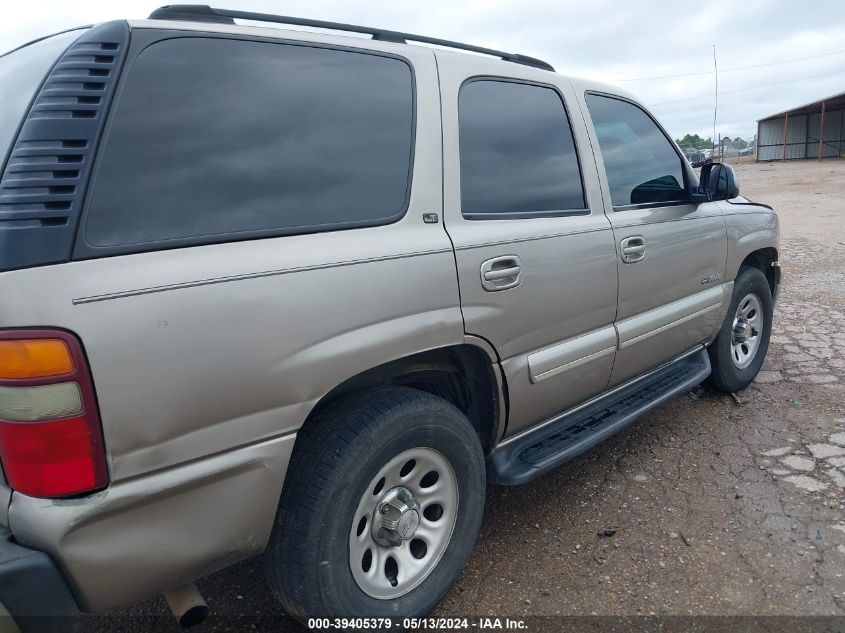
{"points": [[548, 447]]}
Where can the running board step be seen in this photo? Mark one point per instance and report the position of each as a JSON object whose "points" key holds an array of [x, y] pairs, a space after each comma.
{"points": [[538, 452]]}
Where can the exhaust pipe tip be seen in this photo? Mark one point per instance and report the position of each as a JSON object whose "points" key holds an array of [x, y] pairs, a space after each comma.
{"points": [[187, 605], [193, 616]]}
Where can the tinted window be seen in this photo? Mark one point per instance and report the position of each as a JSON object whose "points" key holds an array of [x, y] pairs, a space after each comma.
{"points": [[21, 73], [642, 165], [214, 138], [517, 151]]}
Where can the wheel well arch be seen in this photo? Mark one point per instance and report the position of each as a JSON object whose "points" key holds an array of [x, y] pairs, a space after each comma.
{"points": [[763, 259], [464, 375]]}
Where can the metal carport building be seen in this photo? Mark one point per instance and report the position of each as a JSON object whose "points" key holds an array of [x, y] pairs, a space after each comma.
{"points": [[796, 133]]}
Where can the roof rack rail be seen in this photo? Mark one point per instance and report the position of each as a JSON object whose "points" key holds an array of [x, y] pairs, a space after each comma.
{"points": [[205, 13]]}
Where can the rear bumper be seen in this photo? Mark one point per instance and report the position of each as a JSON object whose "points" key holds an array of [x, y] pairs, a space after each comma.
{"points": [[33, 591], [151, 534]]}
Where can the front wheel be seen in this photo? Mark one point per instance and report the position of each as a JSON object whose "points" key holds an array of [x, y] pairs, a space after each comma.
{"points": [[380, 509], [739, 349]]}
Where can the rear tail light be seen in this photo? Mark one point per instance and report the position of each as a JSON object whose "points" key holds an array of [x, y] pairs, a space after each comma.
{"points": [[51, 440]]}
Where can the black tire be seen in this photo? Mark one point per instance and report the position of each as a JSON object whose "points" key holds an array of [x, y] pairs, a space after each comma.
{"points": [[307, 561], [725, 375]]}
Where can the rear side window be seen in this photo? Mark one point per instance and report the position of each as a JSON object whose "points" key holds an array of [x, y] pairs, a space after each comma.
{"points": [[642, 165], [518, 156], [218, 139], [21, 73]]}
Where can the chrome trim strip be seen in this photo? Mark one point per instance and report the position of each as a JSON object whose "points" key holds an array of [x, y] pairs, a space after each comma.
{"points": [[258, 275], [571, 353], [668, 326], [572, 365], [646, 324], [600, 396], [533, 238], [636, 223]]}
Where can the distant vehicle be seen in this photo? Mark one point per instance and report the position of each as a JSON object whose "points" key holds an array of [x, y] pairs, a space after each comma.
{"points": [[701, 163], [694, 155]]}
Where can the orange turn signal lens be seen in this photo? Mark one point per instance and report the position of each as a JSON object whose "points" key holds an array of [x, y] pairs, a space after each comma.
{"points": [[34, 358]]}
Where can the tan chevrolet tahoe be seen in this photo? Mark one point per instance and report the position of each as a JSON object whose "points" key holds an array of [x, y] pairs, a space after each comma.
{"points": [[304, 295]]}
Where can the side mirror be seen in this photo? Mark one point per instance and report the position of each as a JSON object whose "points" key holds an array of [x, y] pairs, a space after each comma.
{"points": [[718, 182]]}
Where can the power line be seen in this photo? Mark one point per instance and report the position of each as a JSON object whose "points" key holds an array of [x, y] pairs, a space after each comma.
{"points": [[728, 70], [773, 83]]}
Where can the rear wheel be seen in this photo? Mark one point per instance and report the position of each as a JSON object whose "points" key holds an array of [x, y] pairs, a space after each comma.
{"points": [[739, 350], [403, 523], [380, 510]]}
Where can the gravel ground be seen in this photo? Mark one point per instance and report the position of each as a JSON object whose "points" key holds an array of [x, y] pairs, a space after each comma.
{"points": [[712, 505]]}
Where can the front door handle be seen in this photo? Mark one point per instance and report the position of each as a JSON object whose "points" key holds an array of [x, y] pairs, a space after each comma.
{"points": [[633, 249], [501, 273]]}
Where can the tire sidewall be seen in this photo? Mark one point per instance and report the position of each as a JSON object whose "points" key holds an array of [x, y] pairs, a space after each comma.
{"points": [[459, 445], [727, 376]]}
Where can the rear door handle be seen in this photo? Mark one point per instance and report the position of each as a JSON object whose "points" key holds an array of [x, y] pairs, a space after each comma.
{"points": [[633, 249], [501, 273]]}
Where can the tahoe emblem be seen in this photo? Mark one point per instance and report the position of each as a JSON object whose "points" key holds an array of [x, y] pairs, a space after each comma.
{"points": [[711, 278]]}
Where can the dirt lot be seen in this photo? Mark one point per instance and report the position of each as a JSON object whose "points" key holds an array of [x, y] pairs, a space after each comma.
{"points": [[709, 506]]}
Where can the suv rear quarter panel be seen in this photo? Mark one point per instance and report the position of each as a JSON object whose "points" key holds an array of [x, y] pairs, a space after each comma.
{"points": [[199, 350], [206, 360]]}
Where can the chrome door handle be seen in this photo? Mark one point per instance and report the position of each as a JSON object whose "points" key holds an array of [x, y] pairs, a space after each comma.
{"points": [[633, 249], [493, 275], [501, 273]]}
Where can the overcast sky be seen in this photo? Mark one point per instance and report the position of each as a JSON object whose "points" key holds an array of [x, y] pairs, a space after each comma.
{"points": [[606, 40]]}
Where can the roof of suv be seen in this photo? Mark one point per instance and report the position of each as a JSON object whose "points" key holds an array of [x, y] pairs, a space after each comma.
{"points": [[206, 14], [205, 18]]}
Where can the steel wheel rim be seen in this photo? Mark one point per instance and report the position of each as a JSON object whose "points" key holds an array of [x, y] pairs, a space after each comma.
{"points": [[747, 331], [417, 555]]}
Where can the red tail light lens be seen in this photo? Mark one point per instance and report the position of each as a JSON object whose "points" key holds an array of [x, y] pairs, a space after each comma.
{"points": [[51, 442]]}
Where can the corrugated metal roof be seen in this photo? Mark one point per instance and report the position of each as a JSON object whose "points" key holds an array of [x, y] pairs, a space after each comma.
{"points": [[833, 101]]}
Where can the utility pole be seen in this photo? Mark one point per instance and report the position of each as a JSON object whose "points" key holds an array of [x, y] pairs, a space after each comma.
{"points": [[821, 132], [716, 98]]}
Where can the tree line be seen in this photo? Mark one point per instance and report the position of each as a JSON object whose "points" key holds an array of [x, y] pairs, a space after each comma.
{"points": [[694, 140]]}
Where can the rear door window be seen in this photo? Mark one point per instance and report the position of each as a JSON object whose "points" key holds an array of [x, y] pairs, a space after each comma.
{"points": [[218, 139], [21, 73], [518, 157], [641, 163]]}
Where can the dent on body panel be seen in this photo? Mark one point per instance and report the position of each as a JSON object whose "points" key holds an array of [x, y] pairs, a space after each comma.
{"points": [[137, 538], [749, 229], [226, 364], [183, 372]]}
